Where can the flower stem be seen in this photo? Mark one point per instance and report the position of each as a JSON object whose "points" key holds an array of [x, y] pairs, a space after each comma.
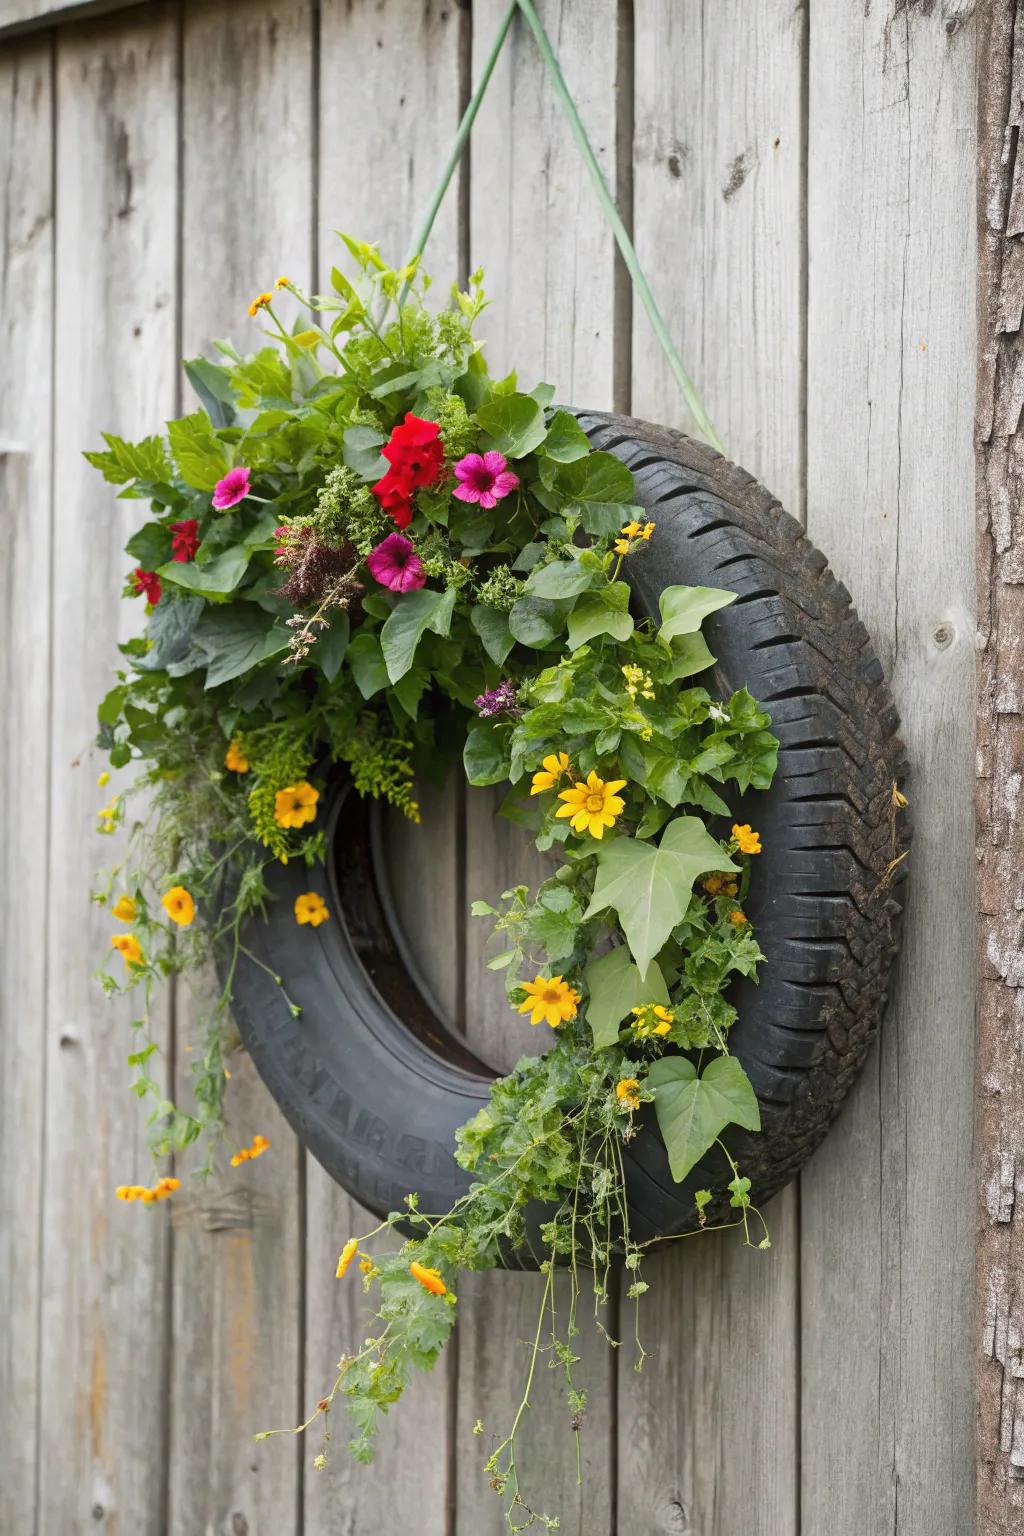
{"points": [[625, 244]]}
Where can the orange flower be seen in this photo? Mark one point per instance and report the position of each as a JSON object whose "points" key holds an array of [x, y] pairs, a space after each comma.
{"points": [[241, 1156], [295, 805], [128, 947], [260, 302], [310, 908], [747, 840], [430, 1279], [124, 909], [235, 758], [738, 918], [179, 906], [165, 1187], [259, 1146], [348, 1253]]}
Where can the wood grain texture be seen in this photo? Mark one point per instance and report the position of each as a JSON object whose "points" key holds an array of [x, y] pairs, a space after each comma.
{"points": [[103, 1416], [716, 198], [1000, 828], [537, 230], [26, 386], [18, 17], [886, 1203], [246, 187], [415, 57]]}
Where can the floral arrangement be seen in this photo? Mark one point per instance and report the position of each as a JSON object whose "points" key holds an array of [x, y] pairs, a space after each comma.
{"points": [[363, 550]]}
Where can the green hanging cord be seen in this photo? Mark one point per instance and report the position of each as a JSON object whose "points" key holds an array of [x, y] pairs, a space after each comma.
{"points": [[461, 138], [625, 244]]}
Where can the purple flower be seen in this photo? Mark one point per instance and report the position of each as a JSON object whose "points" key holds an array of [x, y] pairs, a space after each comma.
{"points": [[396, 565], [484, 478], [232, 489], [500, 700]]}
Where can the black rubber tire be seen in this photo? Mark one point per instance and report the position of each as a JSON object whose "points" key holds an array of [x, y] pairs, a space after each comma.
{"points": [[370, 1077]]}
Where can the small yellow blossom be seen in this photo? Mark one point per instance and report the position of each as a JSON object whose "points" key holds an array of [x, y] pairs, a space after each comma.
{"points": [[747, 840], [713, 884], [104, 779], [295, 805], [163, 1188], [348, 1253], [638, 681], [631, 530], [179, 906], [128, 947], [738, 918], [621, 546], [241, 1156], [259, 302], [593, 806], [647, 530], [283, 282], [626, 1093], [549, 1001], [310, 908], [107, 817], [124, 909], [367, 1266], [430, 1279], [555, 764], [256, 1148], [652, 1019], [235, 758]]}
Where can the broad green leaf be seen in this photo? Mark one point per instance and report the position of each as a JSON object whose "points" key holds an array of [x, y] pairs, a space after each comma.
{"points": [[600, 477], [331, 645], [690, 654], [484, 754], [684, 609], [693, 1111], [362, 452], [213, 386], [170, 633], [537, 621], [367, 664], [615, 986], [150, 546], [514, 424], [217, 578], [234, 639], [199, 454], [561, 578], [410, 689], [603, 519], [566, 440], [650, 886], [411, 617], [491, 624], [604, 612]]}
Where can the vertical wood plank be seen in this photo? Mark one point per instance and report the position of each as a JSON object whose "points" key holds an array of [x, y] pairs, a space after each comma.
{"points": [[537, 230], [376, 171], [717, 214], [238, 1239], [886, 1203], [26, 384], [103, 1356]]}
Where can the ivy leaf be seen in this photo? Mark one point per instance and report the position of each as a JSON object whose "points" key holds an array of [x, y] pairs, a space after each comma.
{"points": [[235, 639], [514, 424], [616, 986], [605, 612], [491, 624], [690, 654], [536, 621], [650, 886], [411, 617], [561, 578], [484, 756], [693, 1111], [603, 519], [684, 609], [199, 454], [217, 578], [566, 440], [366, 663]]}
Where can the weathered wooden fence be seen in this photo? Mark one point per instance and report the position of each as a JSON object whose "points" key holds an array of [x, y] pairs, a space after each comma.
{"points": [[799, 176]]}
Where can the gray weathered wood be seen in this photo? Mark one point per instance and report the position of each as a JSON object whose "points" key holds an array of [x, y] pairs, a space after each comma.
{"points": [[246, 190], [20, 16], [26, 340], [886, 1208], [1000, 831], [717, 197], [537, 230], [103, 1342]]}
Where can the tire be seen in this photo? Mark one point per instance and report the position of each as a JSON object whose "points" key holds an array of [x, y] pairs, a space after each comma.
{"points": [[370, 1077]]}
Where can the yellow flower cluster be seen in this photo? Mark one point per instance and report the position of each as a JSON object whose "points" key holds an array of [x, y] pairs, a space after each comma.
{"points": [[746, 839], [310, 908], [257, 1148], [549, 1001], [295, 805], [108, 817], [161, 1190], [627, 1093], [638, 681], [629, 532], [235, 759], [720, 885], [652, 1019], [179, 906]]}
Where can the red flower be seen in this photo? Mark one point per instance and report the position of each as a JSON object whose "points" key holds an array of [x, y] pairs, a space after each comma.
{"points": [[394, 492], [184, 539], [148, 582], [415, 449]]}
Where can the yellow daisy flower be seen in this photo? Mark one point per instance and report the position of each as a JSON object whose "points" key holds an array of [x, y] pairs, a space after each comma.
{"points": [[124, 909], [550, 1002], [179, 906], [555, 764], [310, 908], [295, 805], [593, 806], [235, 758], [747, 840]]}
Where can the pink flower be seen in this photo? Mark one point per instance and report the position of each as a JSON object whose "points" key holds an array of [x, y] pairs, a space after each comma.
{"points": [[396, 565], [484, 478], [232, 489]]}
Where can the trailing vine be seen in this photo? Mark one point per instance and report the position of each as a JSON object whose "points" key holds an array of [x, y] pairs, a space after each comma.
{"points": [[362, 550]]}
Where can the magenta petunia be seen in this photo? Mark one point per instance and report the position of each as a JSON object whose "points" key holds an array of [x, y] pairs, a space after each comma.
{"points": [[484, 478], [232, 489], [396, 565]]}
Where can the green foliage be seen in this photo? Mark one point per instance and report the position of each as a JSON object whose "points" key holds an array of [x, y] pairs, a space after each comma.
{"points": [[694, 1110]]}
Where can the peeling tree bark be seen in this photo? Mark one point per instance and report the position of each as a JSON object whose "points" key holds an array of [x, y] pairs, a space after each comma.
{"points": [[1000, 806]]}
